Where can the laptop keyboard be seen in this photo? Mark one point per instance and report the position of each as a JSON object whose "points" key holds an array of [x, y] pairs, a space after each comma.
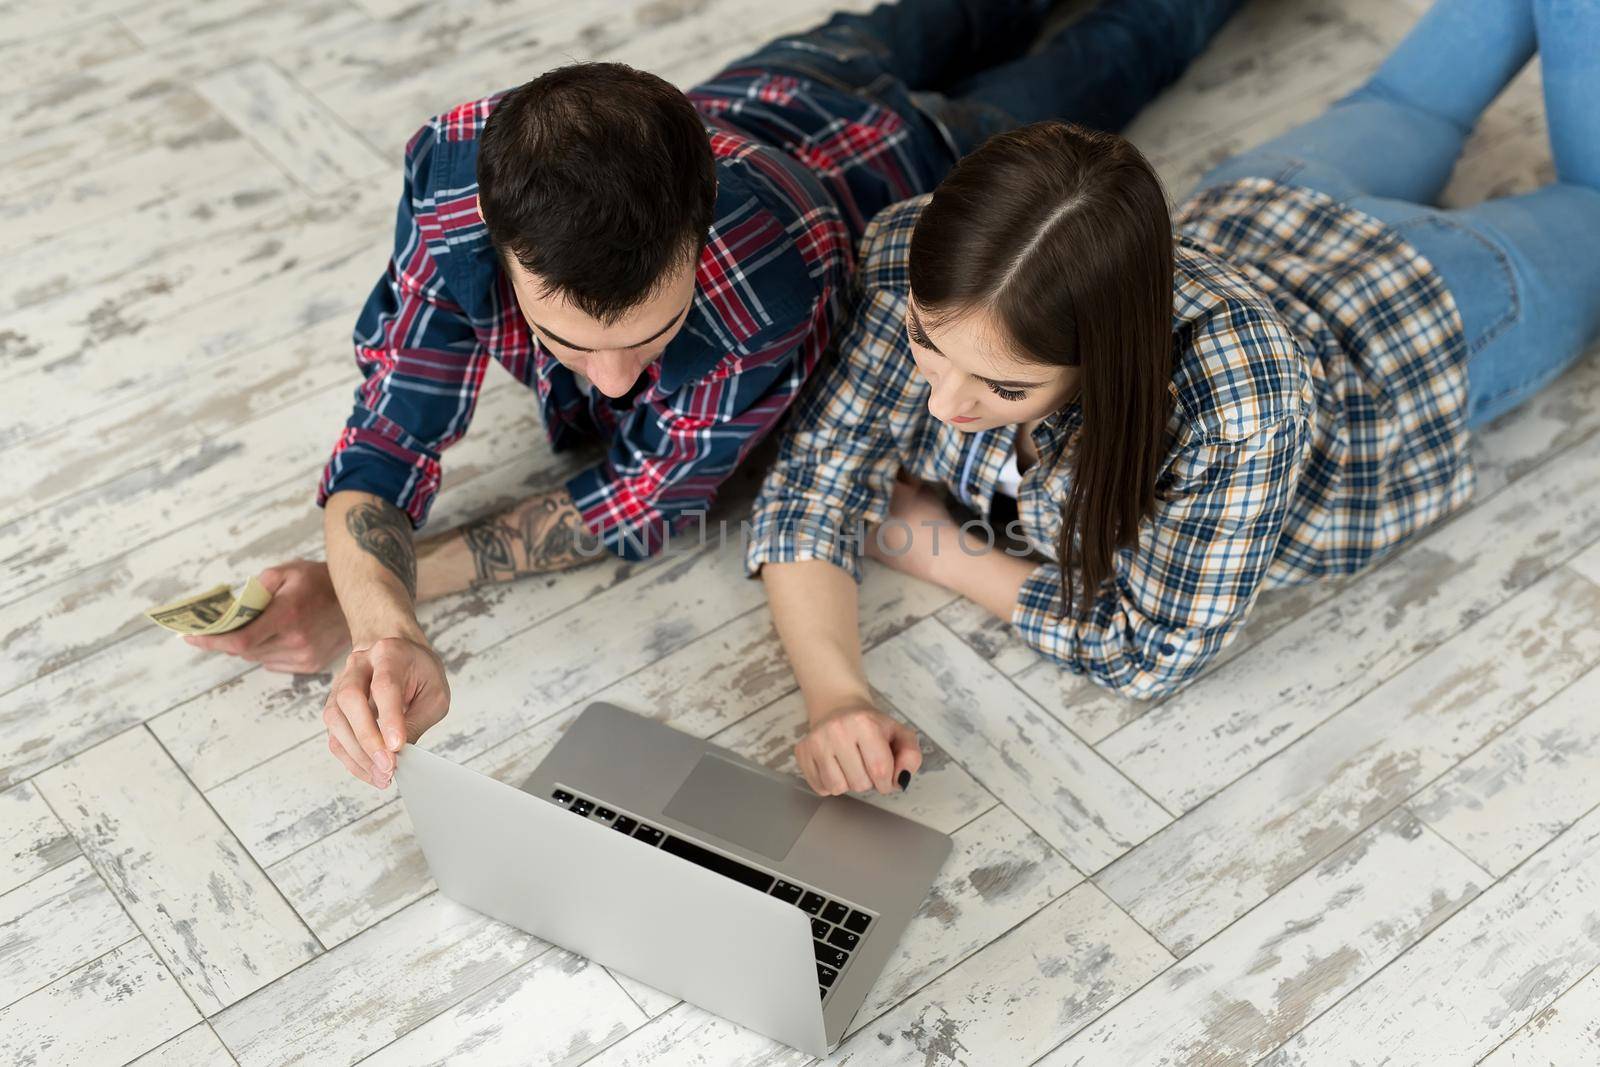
{"points": [[836, 927]]}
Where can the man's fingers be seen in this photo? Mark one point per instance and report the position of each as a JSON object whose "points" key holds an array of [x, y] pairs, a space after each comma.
{"points": [[389, 697], [350, 765], [272, 579], [342, 739], [351, 693]]}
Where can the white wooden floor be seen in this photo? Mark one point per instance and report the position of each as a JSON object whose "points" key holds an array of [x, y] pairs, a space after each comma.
{"points": [[1369, 837]]}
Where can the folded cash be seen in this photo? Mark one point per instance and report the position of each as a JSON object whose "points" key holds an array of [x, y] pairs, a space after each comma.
{"points": [[216, 611]]}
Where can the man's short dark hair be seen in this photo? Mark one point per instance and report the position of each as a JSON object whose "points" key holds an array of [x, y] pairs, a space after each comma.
{"points": [[598, 178]]}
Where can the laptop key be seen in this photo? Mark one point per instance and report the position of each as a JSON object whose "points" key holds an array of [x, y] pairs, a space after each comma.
{"points": [[561, 796], [788, 893], [822, 992], [581, 807], [829, 955], [624, 824], [843, 938], [835, 912], [857, 922], [605, 813], [826, 974], [819, 929], [811, 903], [648, 834]]}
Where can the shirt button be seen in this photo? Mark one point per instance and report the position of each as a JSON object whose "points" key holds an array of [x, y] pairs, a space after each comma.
{"points": [[1167, 650]]}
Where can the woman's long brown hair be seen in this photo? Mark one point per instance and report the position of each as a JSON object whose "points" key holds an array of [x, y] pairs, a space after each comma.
{"points": [[1062, 234]]}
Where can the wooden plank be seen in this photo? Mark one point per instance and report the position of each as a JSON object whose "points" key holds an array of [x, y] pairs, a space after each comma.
{"points": [[353, 1000], [1093, 712], [1019, 996], [1261, 831], [1243, 992], [1494, 965], [1566, 1032], [102, 194], [1505, 801], [1588, 563], [291, 126], [64, 51], [118, 1007], [234, 37], [32, 839], [108, 668], [216, 476], [1056, 783], [689, 1035], [503, 458], [998, 873], [213, 916], [556, 1009], [77, 253], [164, 318], [1238, 716], [197, 1046], [54, 924]]}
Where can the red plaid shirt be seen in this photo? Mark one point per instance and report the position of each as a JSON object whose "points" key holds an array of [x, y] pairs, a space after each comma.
{"points": [[801, 168]]}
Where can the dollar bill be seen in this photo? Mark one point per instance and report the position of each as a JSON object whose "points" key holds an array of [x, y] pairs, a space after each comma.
{"points": [[216, 611]]}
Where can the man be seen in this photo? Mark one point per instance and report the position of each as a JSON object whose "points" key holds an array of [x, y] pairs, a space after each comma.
{"points": [[664, 270]]}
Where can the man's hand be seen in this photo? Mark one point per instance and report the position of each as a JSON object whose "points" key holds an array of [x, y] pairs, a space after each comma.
{"points": [[388, 693], [857, 749], [301, 630]]}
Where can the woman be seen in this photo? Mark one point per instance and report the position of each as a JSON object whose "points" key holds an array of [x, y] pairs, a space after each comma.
{"points": [[1280, 393]]}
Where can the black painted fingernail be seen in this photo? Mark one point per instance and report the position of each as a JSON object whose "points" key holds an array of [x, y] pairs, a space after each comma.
{"points": [[904, 780]]}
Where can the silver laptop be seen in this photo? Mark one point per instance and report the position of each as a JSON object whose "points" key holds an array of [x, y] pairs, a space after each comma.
{"points": [[681, 864]]}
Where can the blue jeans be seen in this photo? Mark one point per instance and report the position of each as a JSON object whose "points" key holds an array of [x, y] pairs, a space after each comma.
{"points": [[960, 65], [1524, 270]]}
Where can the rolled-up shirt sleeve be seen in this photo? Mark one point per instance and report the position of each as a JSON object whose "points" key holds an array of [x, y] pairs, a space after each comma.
{"points": [[1176, 599], [421, 362], [834, 475]]}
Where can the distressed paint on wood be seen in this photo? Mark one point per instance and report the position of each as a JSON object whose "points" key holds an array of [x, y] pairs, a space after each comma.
{"points": [[54, 924], [32, 839], [218, 923]]}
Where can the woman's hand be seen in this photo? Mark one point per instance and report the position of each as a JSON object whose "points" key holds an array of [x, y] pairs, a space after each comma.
{"points": [[857, 749], [302, 628], [387, 694]]}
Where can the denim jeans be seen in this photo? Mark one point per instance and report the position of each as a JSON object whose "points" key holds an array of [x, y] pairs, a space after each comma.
{"points": [[1524, 270], [960, 64]]}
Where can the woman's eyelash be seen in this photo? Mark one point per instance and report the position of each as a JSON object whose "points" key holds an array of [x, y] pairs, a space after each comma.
{"points": [[1005, 394], [917, 334]]}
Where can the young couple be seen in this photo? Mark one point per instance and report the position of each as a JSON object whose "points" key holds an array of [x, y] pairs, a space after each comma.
{"points": [[1273, 387]]}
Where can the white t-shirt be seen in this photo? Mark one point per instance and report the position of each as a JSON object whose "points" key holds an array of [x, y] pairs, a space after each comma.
{"points": [[1010, 480]]}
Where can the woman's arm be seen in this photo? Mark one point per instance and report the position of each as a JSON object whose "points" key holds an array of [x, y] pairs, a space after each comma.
{"points": [[851, 745]]}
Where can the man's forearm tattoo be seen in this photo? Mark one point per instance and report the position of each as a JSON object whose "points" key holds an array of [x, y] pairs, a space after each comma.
{"points": [[542, 535], [383, 532]]}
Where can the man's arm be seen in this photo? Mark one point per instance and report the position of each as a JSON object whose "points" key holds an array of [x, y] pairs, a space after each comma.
{"points": [[541, 534], [392, 687]]}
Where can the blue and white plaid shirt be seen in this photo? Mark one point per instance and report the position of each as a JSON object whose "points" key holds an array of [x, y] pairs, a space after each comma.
{"points": [[1319, 394]]}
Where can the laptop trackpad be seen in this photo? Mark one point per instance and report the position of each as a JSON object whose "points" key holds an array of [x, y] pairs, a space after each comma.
{"points": [[739, 805]]}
